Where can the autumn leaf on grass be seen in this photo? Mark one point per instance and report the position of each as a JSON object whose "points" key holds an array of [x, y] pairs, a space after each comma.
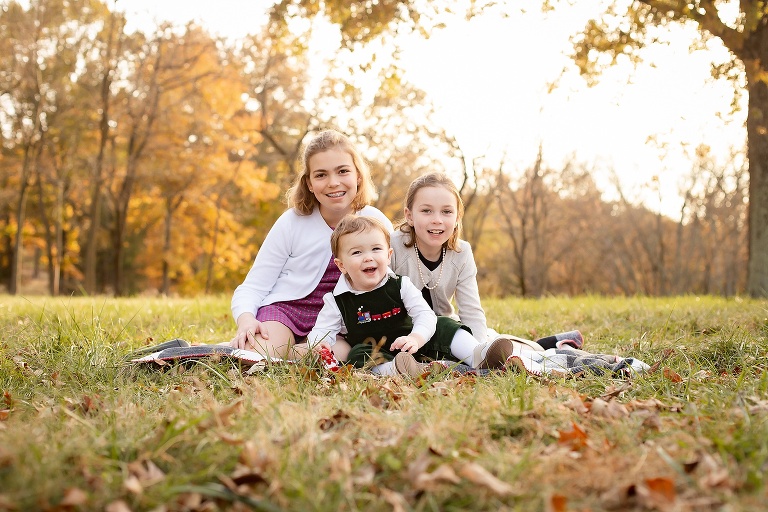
{"points": [[611, 409], [613, 391], [142, 474], [671, 374], [117, 506], [666, 354], [657, 493], [429, 481], [576, 404], [221, 417], [339, 417], [395, 499], [74, 497], [4, 414], [255, 457], [477, 474], [713, 472], [576, 438], [557, 503], [90, 404]]}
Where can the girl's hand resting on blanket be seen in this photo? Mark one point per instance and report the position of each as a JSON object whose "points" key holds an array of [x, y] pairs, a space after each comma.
{"points": [[410, 343], [247, 329]]}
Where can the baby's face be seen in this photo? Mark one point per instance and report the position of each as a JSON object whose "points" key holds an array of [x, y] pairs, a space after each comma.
{"points": [[364, 257]]}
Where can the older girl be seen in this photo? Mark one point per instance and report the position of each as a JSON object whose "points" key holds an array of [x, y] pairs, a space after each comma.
{"points": [[278, 302]]}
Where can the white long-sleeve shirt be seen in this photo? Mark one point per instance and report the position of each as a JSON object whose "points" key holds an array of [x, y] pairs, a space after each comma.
{"points": [[291, 261]]}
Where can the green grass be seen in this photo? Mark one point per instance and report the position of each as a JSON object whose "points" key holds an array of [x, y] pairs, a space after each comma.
{"points": [[81, 430]]}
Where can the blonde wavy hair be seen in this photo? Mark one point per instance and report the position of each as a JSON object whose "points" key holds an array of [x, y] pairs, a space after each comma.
{"points": [[302, 200]]}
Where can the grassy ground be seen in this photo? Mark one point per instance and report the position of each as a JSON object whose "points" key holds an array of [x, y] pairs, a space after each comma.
{"points": [[80, 430]]}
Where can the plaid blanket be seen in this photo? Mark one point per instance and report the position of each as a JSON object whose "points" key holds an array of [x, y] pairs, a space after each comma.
{"points": [[571, 362], [553, 362]]}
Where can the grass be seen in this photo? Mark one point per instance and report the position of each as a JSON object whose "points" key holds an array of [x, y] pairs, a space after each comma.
{"points": [[81, 430]]}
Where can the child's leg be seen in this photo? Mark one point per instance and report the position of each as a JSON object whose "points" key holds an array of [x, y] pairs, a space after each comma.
{"points": [[463, 347], [387, 368]]}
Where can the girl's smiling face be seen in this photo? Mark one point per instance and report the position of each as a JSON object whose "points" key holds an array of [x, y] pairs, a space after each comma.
{"points": [[433, 218], [333, 179]]}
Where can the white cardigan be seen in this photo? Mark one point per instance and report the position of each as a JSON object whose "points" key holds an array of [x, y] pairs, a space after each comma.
{"points": [[291, 261]]}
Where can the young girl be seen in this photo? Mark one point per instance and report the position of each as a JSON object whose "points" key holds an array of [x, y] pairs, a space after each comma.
{"points": [[383, 315], [427, 248], [278, 302]]}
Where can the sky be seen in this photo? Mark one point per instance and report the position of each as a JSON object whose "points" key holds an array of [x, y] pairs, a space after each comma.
{"points": [[490, 80]]}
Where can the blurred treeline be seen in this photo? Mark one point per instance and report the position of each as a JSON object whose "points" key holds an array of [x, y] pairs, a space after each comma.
{"points": [[156, 162]]}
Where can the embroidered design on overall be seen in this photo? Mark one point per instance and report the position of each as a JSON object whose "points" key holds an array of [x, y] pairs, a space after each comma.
{"points": [[363, 317]]}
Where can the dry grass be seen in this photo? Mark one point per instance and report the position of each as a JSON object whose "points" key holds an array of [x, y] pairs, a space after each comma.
{"points": [[80, 430]]}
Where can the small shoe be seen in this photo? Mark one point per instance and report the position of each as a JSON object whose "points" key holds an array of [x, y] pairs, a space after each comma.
{"points": [[406, 364], [496, 354]]}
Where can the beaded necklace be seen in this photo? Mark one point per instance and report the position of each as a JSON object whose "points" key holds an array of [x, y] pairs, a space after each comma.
{"points": [[421, 275]]}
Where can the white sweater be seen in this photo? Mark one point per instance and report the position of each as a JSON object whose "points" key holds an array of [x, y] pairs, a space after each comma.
{"points": [[291, 261], [458, 282]]}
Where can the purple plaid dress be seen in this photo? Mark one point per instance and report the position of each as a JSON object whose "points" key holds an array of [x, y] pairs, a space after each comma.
{"points": [[300, 315]]}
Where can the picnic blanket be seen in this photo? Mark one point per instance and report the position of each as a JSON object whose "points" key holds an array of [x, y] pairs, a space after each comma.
{"points": [[553, 362], [571, 362]]}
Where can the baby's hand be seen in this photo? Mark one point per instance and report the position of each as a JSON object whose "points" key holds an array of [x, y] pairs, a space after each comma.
{"points": [[410, 343]]}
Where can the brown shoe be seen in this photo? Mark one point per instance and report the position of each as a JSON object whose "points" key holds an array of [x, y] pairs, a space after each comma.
{"points": [[496, 355], [406, 364]]}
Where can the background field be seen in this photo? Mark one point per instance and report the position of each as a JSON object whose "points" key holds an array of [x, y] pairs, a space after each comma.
{"points": [[80, 430]]}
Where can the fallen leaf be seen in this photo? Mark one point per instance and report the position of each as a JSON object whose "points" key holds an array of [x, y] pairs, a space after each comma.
{"points": [[145, 472], [666, 354], [74, 497], [364, 475], [254, 457], [338, 418], [612, 391], [395, 499], [611, 410], [672, 375], [117, 506], [418, 466], [132, 484], [442, 474], [477, 474], [714, 472], [648, 404], [4, 414], [577, 405], [557, 503], [576, 438], [657, 493], [90, 404]]}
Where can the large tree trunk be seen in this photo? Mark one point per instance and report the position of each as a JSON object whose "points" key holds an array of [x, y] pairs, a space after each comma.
{"points": [[757, 152]]}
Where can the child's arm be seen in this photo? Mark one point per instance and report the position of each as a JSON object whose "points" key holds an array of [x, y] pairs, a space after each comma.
{"points": [[424, 319], [329, 323]]}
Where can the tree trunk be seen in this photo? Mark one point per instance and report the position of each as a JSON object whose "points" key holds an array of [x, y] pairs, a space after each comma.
{"points": [[757, 137], [166, 286], [21, 216], [756, 57]]}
